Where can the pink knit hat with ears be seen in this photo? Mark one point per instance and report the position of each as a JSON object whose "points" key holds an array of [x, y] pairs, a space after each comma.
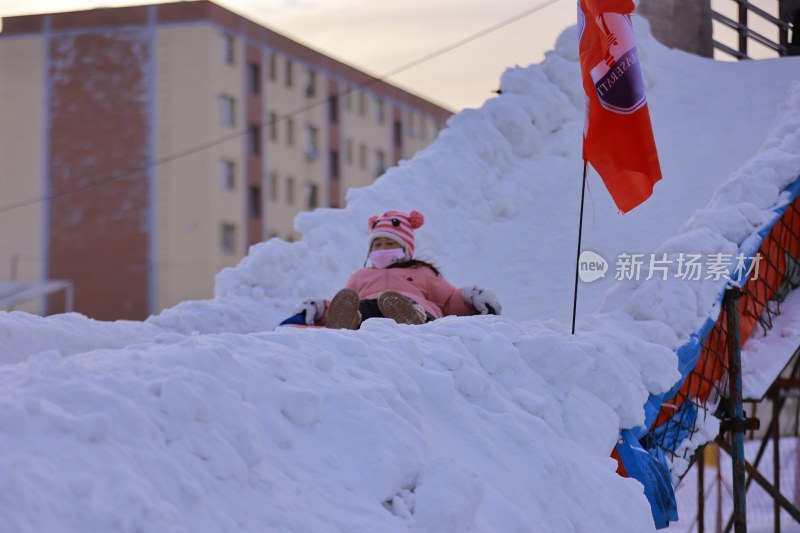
{"points": [[397, 226]]}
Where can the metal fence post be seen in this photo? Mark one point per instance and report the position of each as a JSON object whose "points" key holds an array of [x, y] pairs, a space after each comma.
{"points": [[776, 456], [743, 29], [736, 409], [701, 492]]}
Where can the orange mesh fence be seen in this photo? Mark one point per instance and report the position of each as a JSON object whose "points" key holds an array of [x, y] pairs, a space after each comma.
{"points": [[772, 277]]}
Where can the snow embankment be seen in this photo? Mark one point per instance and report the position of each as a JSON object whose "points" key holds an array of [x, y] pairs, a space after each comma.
{"points": [[466, 423]]}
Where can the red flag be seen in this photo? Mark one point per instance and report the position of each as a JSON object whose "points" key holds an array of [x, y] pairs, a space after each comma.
{"points": [[617, 136]]}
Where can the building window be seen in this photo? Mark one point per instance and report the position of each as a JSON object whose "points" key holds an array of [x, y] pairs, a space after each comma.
{"points": [[228, 238], [380, 110], [227, 174], [311, 83], [227, 110], [334, 164], [380, 162], [290, 132], [362, 157], [273, 67], [273, 126], [254, 139], [289, 72], [312, 193], [348, 152], [254, 78], [333, 109], [273, 186], [412, 124], [312, 142], [397, 128], [362, 103], [254, 201], [348, 98], [228, 44], [290, 190]]}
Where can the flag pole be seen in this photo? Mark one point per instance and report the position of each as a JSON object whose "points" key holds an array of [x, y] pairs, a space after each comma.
{"points": [[578, 255]]}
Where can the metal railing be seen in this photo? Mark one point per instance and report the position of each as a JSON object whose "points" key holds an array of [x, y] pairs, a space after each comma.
{"points": [[743, 27], [712, 389]]}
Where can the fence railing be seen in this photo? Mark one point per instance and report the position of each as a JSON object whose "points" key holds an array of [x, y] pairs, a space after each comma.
{"points": [[704, 391], [746, 12], [707, 401]]}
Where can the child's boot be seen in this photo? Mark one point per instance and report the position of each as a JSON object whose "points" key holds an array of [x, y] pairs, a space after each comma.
{"points": [[401, 309], [343, 311]]}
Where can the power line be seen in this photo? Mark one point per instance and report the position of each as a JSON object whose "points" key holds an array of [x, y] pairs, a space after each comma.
{"points": [[470, 38], [261, 125]]}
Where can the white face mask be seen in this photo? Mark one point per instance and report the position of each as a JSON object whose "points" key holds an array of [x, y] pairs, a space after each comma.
{"points": [[384, 258]]}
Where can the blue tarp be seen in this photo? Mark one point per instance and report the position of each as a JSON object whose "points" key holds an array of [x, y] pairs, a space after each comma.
{"points": [[654, 473]]}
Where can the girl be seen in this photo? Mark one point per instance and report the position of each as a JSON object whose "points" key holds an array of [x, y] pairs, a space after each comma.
{"points": [[393, 284]]}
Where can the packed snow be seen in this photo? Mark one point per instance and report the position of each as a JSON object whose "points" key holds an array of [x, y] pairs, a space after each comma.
{"points": [[766, 355], [206, 418]]}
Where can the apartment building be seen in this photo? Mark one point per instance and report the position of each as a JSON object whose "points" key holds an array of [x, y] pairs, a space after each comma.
{"points": [[143, 149]]}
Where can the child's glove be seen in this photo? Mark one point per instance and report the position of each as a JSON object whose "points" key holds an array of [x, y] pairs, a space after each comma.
{"points": [[483, 300], [314, 310]]}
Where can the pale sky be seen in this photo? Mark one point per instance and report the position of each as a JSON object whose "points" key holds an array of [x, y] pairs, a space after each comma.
{"points": [[379, 36]]}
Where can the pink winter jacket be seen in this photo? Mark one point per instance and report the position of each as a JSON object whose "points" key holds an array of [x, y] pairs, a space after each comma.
{"points": [[420, 284]]}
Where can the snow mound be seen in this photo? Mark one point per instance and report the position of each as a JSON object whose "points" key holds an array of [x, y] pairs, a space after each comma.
{"points": [[463, 424], [204, 419]]}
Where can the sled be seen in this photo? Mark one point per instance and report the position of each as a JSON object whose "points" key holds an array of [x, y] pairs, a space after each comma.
{"points": [[299, 320]]}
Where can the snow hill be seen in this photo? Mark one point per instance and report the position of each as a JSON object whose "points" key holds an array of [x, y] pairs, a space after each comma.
{"points": [[204, 419]]}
